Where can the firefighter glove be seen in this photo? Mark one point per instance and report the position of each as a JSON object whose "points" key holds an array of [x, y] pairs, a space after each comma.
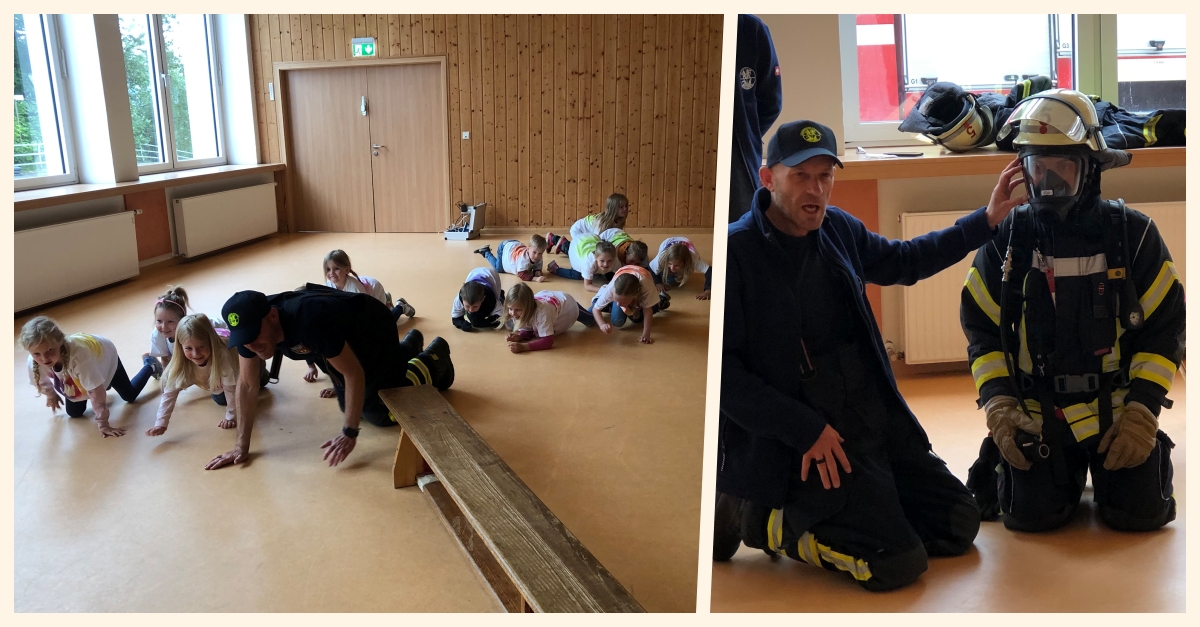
{"points": [[1131, 438], [1004, 418]]}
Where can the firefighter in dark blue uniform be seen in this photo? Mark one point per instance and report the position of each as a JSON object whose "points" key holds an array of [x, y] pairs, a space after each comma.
{"points": [[1074, 315], [819, 457], [757, 102]]}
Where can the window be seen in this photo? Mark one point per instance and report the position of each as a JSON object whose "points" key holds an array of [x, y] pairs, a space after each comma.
{"points": [[889, 60], [1151, 62], [169, 67], [41, 153]]}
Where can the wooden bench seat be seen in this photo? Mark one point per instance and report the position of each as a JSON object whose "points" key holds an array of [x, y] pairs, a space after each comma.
{"points": [[521, 549]]}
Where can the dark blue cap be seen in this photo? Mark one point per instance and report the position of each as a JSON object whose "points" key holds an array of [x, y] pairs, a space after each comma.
{"points": [[797, 142]]}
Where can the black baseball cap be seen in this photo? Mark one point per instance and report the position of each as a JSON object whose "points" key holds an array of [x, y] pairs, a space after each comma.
{"points": [[797, 142], [244, 313]]}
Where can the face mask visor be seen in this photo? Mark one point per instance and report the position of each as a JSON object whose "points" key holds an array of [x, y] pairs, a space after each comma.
{"points": [[1052, 177]]}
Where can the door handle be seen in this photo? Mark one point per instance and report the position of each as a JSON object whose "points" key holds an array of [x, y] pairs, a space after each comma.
{"points": [[378, 146], [363, 107]]}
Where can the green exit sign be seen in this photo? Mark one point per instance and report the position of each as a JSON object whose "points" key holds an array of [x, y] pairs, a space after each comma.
{"points": [[363, 46]]}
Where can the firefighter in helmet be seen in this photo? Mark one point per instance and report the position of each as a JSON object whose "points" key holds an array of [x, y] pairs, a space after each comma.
{"points": [[1074, 315]]}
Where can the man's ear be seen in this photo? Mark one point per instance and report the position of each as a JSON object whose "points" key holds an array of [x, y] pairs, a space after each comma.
{"points": [[767, 177], [273, 315]]}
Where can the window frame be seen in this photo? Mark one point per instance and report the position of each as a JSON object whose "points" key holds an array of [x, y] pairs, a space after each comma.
{"points": [[162, 89], [56, 65]]}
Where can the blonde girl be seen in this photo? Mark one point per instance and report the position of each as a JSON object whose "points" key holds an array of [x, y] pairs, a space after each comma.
{"points": [[677, 259], [207, 362], [616, 210], [535, 319], [632, 296], [77, 369], [340, 275]]}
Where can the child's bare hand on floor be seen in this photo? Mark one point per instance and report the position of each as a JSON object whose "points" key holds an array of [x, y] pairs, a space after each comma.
{"points": [[312, 375], [517, 347], [227, 424], [156, 431], [328, 393]]}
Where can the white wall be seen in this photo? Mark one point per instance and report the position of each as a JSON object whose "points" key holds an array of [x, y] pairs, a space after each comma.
{"points": [[810, 66], [237, 99]]}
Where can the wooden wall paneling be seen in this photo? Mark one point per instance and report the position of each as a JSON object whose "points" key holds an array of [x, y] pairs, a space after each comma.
{"points": [[563, 109], [597, 192], [641, 209], [622, 45], [487, 133], [583, 115], [306, 38], [427, 30], [661, 37], [570, 115], [560, 121], [696, 128], [629, 152], [151, 227], [511, 211], [499, 158], [535, 121], [478, 130], [393, 22], [470, 194], [683, 159], [318, 38], [608, 135], [328, 41], [712, 118], [456, 184], [671, 152], [546, 63], [340, 41], [296, 36]]}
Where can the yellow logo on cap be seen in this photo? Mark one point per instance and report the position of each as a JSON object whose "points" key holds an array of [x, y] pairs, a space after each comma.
{"points": [[233, 319], [810, 134]]}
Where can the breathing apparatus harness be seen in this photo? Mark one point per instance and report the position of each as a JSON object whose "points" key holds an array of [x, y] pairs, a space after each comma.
{"points": [[1127, 308]]}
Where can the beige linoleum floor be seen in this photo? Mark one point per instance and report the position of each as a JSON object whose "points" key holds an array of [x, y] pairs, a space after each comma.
{"points": [[1083, 567], [607, 432]]}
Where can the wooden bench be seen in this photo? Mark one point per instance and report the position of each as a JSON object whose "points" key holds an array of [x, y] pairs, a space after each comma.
{"points": [[531, 561]]}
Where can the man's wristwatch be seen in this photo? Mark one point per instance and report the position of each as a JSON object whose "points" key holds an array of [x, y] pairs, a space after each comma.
{"points": [[350, 432]]}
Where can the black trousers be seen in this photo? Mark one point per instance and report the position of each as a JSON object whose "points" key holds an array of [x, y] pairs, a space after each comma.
{"points": [[403, 371], [127, 389], [898, 506], [1046, 496]]}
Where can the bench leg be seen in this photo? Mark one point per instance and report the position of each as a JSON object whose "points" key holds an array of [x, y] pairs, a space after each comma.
{"points": [[408, 464]]}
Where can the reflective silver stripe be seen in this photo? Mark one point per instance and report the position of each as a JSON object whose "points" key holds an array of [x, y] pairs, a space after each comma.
{"points": [[1154, 368], [979, 293], [808, 545], [987, 367], [775, 530], [1159, 288], [1112, 361], [1076, 266]]}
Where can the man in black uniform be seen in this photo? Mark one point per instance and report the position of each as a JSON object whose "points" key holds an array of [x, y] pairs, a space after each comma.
{"points": [[757, 102], [351, 337], [819, 457]]}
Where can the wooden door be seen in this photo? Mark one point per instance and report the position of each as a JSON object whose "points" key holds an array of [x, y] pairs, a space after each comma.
{"points": [[411, 170], [330, 145]]}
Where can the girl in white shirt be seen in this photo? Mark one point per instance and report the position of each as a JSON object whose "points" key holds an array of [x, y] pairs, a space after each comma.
{"points": [[616, 209], [632, 296], [80, 368], [677, 259], [536, 318], [341, 276], [207, 362]]}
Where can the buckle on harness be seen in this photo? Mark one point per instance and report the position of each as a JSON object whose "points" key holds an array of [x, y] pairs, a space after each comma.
{"points": [[1073, 384]]}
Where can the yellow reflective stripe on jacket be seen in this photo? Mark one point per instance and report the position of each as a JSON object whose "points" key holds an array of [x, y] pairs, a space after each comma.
{"points": [[988, 367], [1148, 130], [1084, 418], [809, 546], [1154, 296], [983, 298], [775, 530], [1112, 361], [1024, 362], [1153, 368]]}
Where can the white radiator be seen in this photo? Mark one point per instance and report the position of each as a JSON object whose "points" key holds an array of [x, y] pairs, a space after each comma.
{"points": [[932, 332], [205, 223], [60, 260]]}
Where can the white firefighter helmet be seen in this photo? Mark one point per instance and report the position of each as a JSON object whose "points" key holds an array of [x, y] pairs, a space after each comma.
{"points": [[1055, 117], [969, 130]]}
